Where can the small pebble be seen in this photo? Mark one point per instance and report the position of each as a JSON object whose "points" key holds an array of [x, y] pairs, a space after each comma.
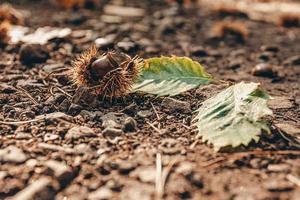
{"points": [[144, 113], [64, 106], [266, 55], [74, 109], [105, 42], [270, 48], [174, 105], [79, 132], [113, 120], [50, 137], [129, 124], [264, 70], [112, 132], [33, 53], [126, 45], [234, 64], [198, 51]]}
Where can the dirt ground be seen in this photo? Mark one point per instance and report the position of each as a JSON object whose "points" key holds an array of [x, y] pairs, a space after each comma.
{"points": [[71, 157]]}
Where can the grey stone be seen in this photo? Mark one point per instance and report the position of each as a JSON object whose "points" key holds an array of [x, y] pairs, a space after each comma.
{"points": [[112, 132], [33, 53], [174, 105], [79, 132], [113, 120], [74, 109], [144, 113], [129, 124]]}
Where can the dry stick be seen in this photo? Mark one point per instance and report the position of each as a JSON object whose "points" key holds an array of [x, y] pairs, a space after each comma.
{"points": [[157, 115], [61, 90], [158, 178], [185, 126], [192, 146], [20, 89], [292, 141], [293, 179], [213, 162], [162, 175], [166, 173], [155, 111], [156, 129]]}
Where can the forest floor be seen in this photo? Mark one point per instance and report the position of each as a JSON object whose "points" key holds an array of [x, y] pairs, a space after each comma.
{"points": [[69, 157]]}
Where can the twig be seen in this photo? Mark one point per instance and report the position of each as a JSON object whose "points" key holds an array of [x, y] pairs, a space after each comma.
{"points": [[192, 146], [293, 179], [61, 90], [166, 173], [185, 126], [158, 179], [288, 138], [155, 111], [162, 175], [213, 162], [156, 129], [20, 89]]}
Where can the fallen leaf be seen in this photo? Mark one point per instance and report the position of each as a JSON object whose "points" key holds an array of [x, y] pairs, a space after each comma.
{"points": [[233, 117], [171, 76]]}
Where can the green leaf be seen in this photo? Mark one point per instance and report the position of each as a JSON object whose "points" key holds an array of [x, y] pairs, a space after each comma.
{"points": [[233, 117], [170, 76]]}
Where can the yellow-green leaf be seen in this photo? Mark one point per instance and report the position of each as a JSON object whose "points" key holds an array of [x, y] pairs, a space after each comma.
{"points": [[170, 76]]}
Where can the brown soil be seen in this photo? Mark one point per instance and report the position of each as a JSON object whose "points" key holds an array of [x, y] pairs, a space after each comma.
{"points": [[122, 165]]}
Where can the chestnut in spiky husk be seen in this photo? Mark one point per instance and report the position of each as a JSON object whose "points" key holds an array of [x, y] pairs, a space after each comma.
{"points": [[109, 75]]}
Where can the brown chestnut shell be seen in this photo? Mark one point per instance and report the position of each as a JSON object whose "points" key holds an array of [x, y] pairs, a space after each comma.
{"points": [[109, 75]]}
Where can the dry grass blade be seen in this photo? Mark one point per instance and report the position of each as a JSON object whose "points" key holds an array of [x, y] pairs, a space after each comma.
{"points": [[27, 94], [162, 175], [156, 129], [159, 179]]}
